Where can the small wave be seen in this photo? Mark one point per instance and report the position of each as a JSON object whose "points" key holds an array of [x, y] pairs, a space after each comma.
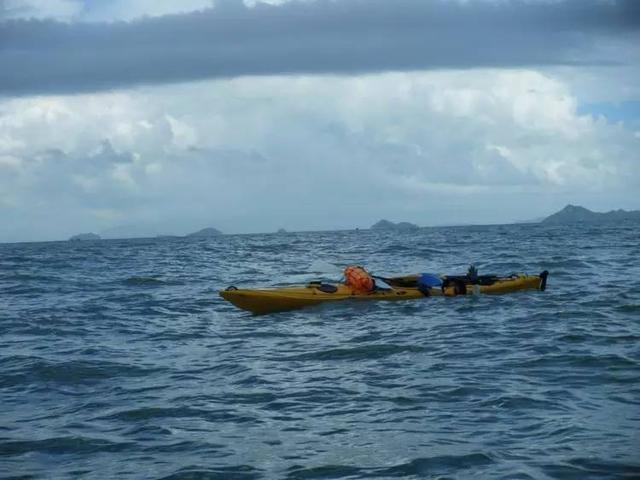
{"points": [[74, 372], [592, 468], [397, 249], [258, 398], [238, 472], [27, 277], [62, 445], [520, 402], [273, 248], [184, 446], [628, 399], [143, 281], [253, 381], [27, 290], [176, 336], [503, 267], [321, 266], [568, 263], [428, 253], [262, 334], [628, 308], [437, 465], [17, 259], [418, 467], [610, 361], [298, 472], [405, 401], [457, 393], [214, 416], [574, 338], [368, 352]]}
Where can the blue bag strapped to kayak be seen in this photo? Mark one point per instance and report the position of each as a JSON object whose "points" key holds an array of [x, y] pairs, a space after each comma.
{"points": [[427, 281]]}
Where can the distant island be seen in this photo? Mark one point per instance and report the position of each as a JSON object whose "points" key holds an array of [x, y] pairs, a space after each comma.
{"points": [[387, 225], [571, 214], [205, 233], [82, 237], [577, 214]]}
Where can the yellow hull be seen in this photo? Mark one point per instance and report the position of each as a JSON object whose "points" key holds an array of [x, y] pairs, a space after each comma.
{"points": [[270, 300]]}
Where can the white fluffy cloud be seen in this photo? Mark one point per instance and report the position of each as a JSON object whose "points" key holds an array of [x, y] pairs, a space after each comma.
{"points": [[40, 9], [112, 10], [97, 11], [255, 154]]}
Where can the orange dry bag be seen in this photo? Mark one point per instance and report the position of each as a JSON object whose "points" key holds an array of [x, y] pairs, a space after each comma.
{"points": [[358, 279]]}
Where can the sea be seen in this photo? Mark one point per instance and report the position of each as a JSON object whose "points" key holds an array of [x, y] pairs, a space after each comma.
{"points": [[118, 359]]}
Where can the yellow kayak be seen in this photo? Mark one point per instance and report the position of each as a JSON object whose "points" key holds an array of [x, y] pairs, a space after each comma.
{"points": [[269, 300]]}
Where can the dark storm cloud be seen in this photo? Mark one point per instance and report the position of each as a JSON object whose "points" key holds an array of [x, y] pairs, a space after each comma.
{"points": [[324, 36]]}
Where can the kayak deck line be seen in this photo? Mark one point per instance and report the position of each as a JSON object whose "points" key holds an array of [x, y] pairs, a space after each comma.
{"points": [[262, 301]]}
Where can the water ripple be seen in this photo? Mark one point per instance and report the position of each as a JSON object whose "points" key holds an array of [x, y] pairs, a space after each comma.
{"points": [[119, 360]]}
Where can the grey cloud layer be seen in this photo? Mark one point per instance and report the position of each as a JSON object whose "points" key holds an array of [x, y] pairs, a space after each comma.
{"points": [[347, 36]]}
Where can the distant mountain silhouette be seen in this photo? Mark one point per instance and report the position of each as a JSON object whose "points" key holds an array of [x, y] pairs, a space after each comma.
{"points": [[387, 225], [577, 214], [206, 232], [81, 237]]}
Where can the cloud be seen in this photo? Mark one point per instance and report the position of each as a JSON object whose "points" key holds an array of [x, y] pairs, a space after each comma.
{"points": [[96, 10], [40, 9], [319, 37], [307, 152]]}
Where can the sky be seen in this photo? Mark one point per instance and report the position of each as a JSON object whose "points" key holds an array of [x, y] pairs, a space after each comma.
{"points": [[145, 117]]}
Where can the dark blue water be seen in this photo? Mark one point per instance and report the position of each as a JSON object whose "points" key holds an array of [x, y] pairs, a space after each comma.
{"points": [[119, 360]]}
